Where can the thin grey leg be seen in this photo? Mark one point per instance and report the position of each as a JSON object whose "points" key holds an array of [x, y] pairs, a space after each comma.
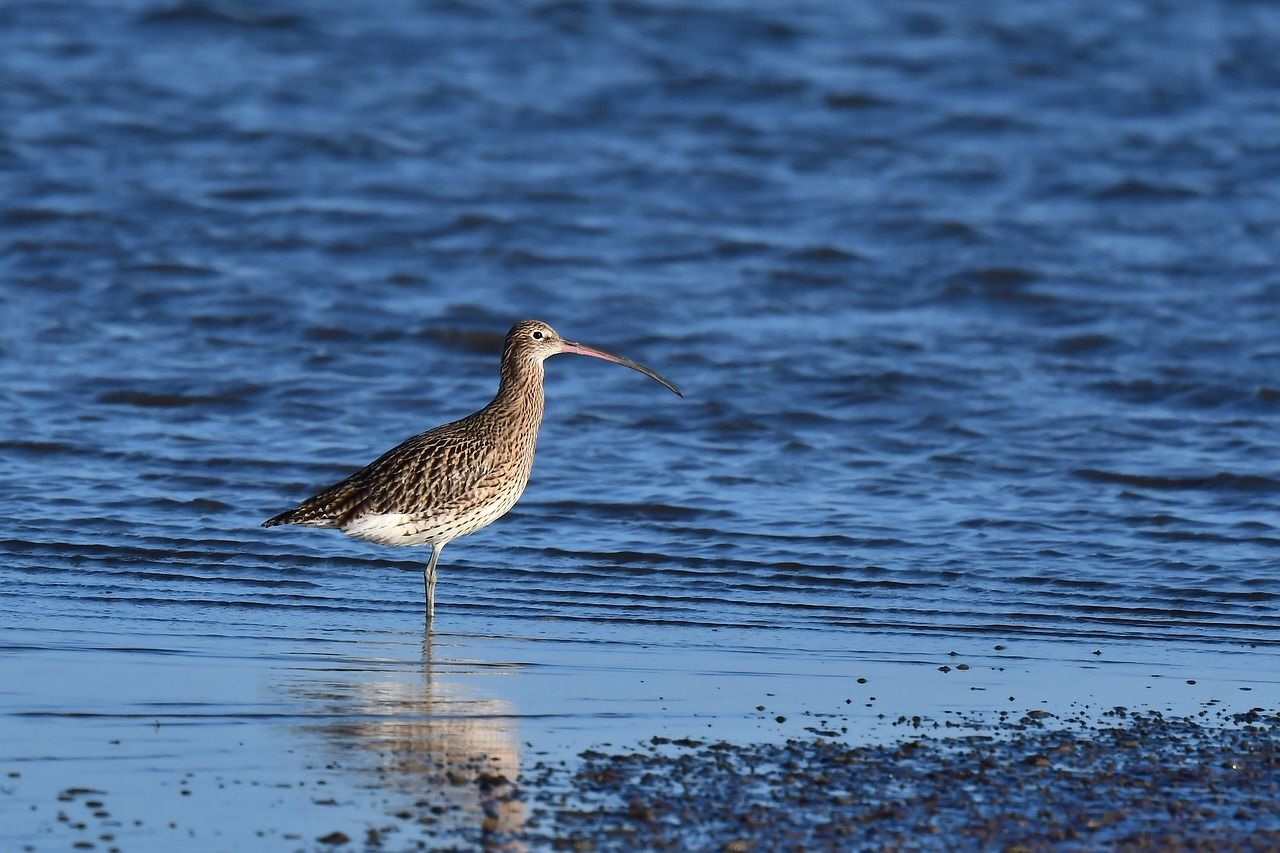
{"points": [[429, 581]]}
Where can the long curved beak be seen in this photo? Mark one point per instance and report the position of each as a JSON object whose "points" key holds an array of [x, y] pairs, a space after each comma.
{"points": [[582, 349]]}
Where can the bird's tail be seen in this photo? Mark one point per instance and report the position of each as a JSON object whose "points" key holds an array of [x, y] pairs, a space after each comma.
{"points": [[326, 509], [285, 517], [304, 515]]}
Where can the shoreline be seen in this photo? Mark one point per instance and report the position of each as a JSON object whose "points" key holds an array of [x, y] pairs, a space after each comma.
{"points": [[1133, 780]]}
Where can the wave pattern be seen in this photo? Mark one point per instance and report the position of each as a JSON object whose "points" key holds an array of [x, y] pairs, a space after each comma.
{"points": [[977, 320]]}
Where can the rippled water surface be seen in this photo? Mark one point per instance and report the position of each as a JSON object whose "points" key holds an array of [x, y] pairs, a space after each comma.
{"points": [[976, 315]]}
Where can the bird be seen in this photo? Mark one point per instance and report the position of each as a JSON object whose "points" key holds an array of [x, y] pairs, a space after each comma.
{"points": [[459, 477]]}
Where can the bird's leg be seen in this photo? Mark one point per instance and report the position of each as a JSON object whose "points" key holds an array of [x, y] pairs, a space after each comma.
{"points": [[429, 581]]}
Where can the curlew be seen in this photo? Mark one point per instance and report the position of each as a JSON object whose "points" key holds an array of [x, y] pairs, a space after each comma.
{"points": [[459, 477]]}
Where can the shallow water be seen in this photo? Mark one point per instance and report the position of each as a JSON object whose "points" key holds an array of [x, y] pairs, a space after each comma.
{"points": [[976, 318]]}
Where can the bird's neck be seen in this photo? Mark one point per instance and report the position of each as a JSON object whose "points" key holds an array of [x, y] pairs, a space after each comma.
{"points": [[520, 389]]}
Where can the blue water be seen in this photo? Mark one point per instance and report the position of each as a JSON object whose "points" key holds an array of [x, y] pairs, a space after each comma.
{"points": [[977, 315]]}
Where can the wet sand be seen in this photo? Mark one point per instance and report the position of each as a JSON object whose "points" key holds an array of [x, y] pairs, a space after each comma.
{"points": [[553, 742], [1133, 781]]}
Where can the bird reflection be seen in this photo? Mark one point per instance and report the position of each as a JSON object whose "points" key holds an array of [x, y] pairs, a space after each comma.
{"points": [[449, 759]]}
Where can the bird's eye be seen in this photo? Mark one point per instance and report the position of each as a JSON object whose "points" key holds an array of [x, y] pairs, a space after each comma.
{"points": [[537, 336]]}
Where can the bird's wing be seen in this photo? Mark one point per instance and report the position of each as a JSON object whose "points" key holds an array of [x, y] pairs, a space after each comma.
{"points": [[427, 471]]}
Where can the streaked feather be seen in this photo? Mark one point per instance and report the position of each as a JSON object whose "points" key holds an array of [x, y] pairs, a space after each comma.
{"points": [[421, 474]]}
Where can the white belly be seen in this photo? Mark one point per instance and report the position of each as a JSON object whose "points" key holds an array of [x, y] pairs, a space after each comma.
{"points": [[397, 528], [393, 528]]}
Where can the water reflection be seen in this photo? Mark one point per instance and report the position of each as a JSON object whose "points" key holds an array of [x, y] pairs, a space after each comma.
{"points": [[446, 758]]}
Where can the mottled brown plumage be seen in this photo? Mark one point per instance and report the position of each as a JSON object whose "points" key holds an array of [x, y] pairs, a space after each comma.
{"points": [[454, 479]]}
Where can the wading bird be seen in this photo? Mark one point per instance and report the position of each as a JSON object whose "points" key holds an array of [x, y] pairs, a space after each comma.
{"points": [[457, 478]]}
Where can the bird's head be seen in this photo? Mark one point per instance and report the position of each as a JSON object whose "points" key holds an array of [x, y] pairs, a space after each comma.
{"points": [[533, 341]]}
